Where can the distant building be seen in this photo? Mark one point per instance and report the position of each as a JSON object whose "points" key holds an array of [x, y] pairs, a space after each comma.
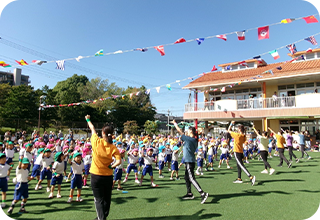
{"points": [[163, 121], [15, 78]]}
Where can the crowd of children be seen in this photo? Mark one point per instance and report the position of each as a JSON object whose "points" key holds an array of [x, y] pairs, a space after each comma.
{"points": [[40, 161]]}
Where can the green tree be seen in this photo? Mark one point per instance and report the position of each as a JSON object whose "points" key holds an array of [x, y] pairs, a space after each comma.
{"points": [[151, 127], [131, 127]]}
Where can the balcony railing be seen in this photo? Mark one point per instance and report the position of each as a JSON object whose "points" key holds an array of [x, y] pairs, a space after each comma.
{"points": [[242, 104]]}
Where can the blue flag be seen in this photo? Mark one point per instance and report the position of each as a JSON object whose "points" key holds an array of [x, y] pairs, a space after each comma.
{"points": [[199, 40]]}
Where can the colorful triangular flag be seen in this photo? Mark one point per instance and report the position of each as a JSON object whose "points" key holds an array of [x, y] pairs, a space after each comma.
{"points": [[180, 40], [223, 89], [22, 63], [312, 40], [241, 35], [270, 71], [169, 87], [138, 93], [99, 53], [275, 54], [141, 49], [309, 50], [310, 19], [228, 68], [279, 68], [160, 49], [4, 64], [288, 20], [263, 33], [60, 64], [292, 48], [39, 62], [158, 89], [223, 37], [79, 58], [147, 92], [199, 40], [243, 63], [214, 68], [131, 94]]}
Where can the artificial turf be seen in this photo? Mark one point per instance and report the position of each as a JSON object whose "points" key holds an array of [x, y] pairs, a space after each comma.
{"points": [[287, 194]]}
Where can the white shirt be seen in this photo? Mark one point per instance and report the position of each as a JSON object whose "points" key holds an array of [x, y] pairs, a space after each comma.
{"points": [[200, 154], [87, 159], [175, 156], [21, 152], [9, 153], [77, 168], [120, 166], [161, 156], [46, 161], [168, 150], [224, 150], [148, 160], [264, 143], [210, 151], [38, 160], [58, 167], [58, 148], [22, 175], [133, 159], [28, 155], [4, 170]]}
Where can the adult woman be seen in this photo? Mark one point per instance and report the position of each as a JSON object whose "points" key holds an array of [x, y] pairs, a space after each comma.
{"points": [[280, 142], [289, 141], [239, 138], [101, 169], [189, 147], [263, 147]]}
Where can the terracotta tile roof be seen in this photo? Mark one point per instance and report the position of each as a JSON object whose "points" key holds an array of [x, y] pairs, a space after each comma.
{"points": [[288, 69]]}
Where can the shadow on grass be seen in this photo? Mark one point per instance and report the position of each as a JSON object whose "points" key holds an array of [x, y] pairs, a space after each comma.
{"points": [[120, 200], [245, 193], [298, 171], [196, 215], [309, 191], [261, 182]]}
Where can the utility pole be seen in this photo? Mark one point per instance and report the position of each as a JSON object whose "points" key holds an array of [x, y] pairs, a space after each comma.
{"points": [[41, 97], [168, 121]]}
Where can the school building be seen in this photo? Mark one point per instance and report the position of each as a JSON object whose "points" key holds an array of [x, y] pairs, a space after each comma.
{"points": [[15, 78], [286, 99]]}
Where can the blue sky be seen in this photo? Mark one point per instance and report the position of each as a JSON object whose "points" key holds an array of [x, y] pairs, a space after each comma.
{"points": [[66, 29]]}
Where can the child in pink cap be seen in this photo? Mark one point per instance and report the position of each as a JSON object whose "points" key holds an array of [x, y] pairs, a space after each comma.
{"points": [[133, 160]]}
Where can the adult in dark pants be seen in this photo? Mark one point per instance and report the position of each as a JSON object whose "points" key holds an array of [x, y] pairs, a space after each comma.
{"points": [[189, 147], [280, 142], [101, 169], [289, 141], [239, 139], [263, 147]]}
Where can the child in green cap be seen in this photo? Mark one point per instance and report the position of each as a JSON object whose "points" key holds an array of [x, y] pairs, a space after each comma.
{"points": [[76, 181], [21, 188], [46, 172], [9, 153], [37, 166], [4, 173], [57, 169]]}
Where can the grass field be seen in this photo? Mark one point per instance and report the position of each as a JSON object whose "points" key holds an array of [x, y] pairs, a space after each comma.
{"points": [[288, 194]]}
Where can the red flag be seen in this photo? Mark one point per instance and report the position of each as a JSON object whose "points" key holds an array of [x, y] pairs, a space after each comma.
{"points": [[243, 63], [214, 68], [223, 37], [309, 50], [180, 40], [22, 62], [241, 35], [263, 33], [310, 19], [160, 49]]}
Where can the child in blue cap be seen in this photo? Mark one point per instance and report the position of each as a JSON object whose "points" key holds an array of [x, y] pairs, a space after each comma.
{"points": [[200, 157], [174, 163], [21, 188], [161, 157], [4, 173]]}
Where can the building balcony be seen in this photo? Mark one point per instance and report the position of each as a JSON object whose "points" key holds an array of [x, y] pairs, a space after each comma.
{"points": [[305, 105]]}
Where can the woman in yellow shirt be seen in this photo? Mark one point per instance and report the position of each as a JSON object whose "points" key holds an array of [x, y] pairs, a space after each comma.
{"points": [[101, 169]]}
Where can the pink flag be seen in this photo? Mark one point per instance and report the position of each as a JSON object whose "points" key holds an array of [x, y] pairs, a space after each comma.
{"points": [[223, 37], [180, 40], [214, 68], [160, 49], [263, 33]]}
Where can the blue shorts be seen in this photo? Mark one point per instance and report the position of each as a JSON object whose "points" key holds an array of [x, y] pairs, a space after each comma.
{"points": [[245, 153], [250, 151], [269, 149], [215, 150], [147, 169], [258, 151], [132, 167], [200, 162], [174, 165], [210, 158], [65, 165], [46, 173], [4, 184], [36, 170], [223, 156], [168, 158], [141, 161], [9, 160], [21, 191], [86, 169], [161, 165], [276, 148], [182, 160], [205, 154], [56, 180], [117, 174], [76, 181]]}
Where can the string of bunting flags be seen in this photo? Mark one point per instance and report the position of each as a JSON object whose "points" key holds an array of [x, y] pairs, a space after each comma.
{"points": [[291, 48], [263, 33]]}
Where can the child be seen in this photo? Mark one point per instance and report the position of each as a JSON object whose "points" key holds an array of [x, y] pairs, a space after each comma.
{"points": [[47, 163], [9, 153], [270, 146], [4, 173], [161, 157], [57, 169], [141, 156], [36, 170], [21, 189], [148, 167], [118, 171], [210, 156], [199, 158], [168, 157], [87, 159], [174, 164], [224, 151], [76, 181], [215, 149], [133, 159], [250, 149], [245, 151], [27, 152]]}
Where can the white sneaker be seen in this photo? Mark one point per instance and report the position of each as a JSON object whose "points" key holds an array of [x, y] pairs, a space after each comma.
{"points": [[37, 187], [265, 171], [201, 174], [272, 171], [169, 170], [228, 167], [247, 161], [171, 178], [70, 200], [219, 166], [309, 158], [58, 196], [125, 180], [237, 181], [253, 180], [48, 189], [270, 157], [3, 205], [197, 173], [79, 199], [40, 186], [137, 181], [50, 195], [154, 185], [85, 186]]}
